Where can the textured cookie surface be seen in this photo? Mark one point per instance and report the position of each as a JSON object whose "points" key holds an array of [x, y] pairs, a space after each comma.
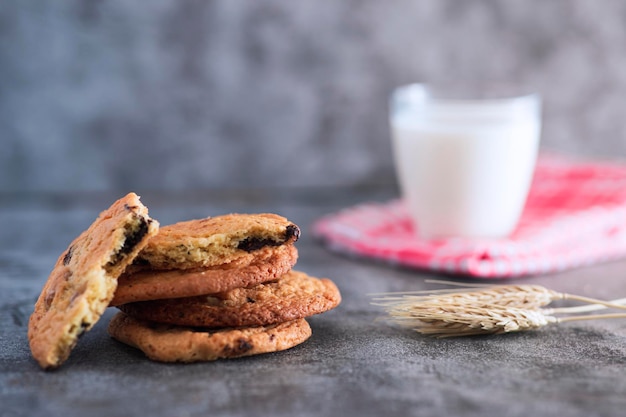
{"points": [[164, 343], [263, 265], [216, 240], [84, 278], [293, 296]]}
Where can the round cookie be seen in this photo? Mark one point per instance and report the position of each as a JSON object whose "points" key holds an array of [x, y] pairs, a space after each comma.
{"points": [[84, 279], [164, 343], [264, 265], [293, 296], [216, 240]]}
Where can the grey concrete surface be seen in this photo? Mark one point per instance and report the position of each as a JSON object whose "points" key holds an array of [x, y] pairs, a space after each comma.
{"points": [[353, 365], [101, 95]]}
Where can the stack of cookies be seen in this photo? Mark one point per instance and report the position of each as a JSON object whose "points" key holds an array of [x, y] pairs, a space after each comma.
{"points": [[198, 290], [218, 287]]}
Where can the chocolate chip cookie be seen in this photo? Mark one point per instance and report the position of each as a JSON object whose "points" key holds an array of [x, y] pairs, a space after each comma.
{"points": [[84, 279], [210, 255], [267, 264], [217, 241], [165, 343], [293, 296]]}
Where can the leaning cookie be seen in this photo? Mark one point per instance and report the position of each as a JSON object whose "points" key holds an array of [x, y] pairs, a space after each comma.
{"points": [[293, 296], [216, 241], [84, 279], [165, 343], [265, 264]]}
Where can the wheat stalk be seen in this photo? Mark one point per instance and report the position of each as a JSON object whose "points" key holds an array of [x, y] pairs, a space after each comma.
{"points": [[585, 308], [486, 309], [468, 320], [523, 296], [464, 319], [526, 296]]}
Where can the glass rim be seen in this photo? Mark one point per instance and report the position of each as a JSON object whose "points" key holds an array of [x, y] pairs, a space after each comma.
{"points": [[464, 93]]}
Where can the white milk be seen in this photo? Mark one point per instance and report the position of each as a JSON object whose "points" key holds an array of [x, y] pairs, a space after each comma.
{"points": [[465, 172]]}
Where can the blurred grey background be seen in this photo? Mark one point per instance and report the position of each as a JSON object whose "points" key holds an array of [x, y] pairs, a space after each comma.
{"points": [[192, 94]]}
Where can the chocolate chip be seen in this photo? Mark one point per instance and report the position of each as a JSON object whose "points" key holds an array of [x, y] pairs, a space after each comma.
{"points": [[250, 300], [243, 345], [84, 326], [68, 255], [131, 241], [292, 231], [60, 282], [134, 238], [250, 244]]}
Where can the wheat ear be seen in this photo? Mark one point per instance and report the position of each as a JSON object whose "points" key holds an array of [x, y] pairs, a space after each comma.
{"points": [[468, 320], [465, 320], [486, 309], [523, 296], [526, 296]]}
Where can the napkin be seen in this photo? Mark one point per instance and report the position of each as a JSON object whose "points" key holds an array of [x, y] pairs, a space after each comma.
{"points": [[575, 215]]}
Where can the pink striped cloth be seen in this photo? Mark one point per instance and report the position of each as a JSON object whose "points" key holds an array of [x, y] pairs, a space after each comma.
{"points": [[575, 215]]}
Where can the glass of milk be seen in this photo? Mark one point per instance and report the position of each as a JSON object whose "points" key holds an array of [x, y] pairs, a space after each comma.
{"points": [[464, 158]]}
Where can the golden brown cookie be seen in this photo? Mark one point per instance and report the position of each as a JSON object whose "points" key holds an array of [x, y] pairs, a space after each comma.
{"points": [[216, 241], [263, 265], [293, 296], [165, 343], [84, 279]]}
